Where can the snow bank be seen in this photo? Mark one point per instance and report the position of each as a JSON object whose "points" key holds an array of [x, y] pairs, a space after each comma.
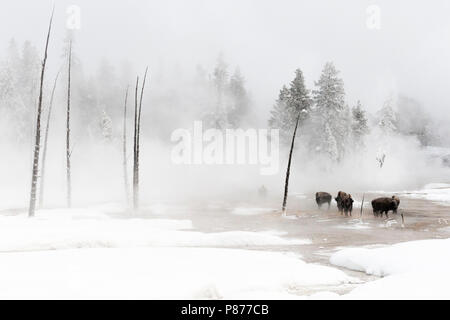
{"points": [[411, 270], [436, 185], [436, 192], [158, 273], [89, 228]]}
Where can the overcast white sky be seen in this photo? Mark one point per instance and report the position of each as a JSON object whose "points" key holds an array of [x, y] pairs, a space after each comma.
{"points": [[268, 39]]}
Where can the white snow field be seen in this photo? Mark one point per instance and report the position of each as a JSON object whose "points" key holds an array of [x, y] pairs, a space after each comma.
{"points": [[158, 273], [84, 253], [98, 253], [90, 228], [410, 270]]}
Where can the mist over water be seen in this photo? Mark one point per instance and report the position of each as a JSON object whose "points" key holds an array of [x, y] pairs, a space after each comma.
{"points": [[182, 42]]}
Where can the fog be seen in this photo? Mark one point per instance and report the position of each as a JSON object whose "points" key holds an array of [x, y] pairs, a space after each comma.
{"points": [[267, 40]]}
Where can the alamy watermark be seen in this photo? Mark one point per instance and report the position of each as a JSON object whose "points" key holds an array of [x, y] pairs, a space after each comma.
{"points": [[227, 147]]}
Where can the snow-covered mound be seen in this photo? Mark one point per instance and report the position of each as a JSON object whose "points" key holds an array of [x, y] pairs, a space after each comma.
{"points": [[436, 186], [90, 228], [411, 270], [437, 192], [159, 273]]}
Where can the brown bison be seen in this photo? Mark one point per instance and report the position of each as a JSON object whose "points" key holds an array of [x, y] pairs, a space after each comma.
{"points": [[347, 205], [385, 204], [322, 198], [344, 203]]}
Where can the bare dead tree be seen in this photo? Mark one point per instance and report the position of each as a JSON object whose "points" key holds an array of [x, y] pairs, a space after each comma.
{"points": [[362, 204], [381, 160], [44, 152], [68, 151], [288, 171], [37, 143], [403, 218], [125, 162], [137, 136], [135, 182]]}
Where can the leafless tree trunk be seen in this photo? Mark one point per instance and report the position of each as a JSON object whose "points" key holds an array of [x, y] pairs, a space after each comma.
{"points": [[125, 162], [135, 182], [37, 143], [44, 153], [68, 151], [362, 204], [137, 132], [288, 171]]}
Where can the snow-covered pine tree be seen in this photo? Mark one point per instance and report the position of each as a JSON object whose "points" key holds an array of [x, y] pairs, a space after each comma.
{"points": [[280, 117], [299, 101], [360, 126], [239, 101], [220, 79], [332, 112], [415, 120], [387, 118], [330, 146], [19, 84], [291, 102]]}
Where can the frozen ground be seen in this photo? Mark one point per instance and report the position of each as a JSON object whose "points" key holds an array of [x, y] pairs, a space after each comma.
{"points": [[436, 192], [410, 270], [227, 250], [153, 273]]}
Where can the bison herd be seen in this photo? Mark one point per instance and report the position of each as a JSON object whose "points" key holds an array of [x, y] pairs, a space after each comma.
{"points": [[345, 203]]}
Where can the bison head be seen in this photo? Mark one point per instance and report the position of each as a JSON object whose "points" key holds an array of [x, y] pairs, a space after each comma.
{"points": [[396, 199]]}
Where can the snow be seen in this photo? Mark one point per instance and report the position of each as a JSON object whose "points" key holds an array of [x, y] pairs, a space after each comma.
{"points": [[243, 211], [87, 254], [411, 270], [90, 228], [355, 224], [436, 192], [158, 273], [436, 185]]}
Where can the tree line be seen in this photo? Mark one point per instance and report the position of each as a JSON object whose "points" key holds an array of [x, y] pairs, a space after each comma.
{"points": [[331, 128]]}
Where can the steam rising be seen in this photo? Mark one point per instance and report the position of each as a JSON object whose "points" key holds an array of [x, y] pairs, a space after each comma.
{"points": [[182, 42]]}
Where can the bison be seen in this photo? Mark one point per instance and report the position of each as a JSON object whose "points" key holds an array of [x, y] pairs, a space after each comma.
{"points": [[344, 203], [322, 198], [347, 205], [385, 205]]}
